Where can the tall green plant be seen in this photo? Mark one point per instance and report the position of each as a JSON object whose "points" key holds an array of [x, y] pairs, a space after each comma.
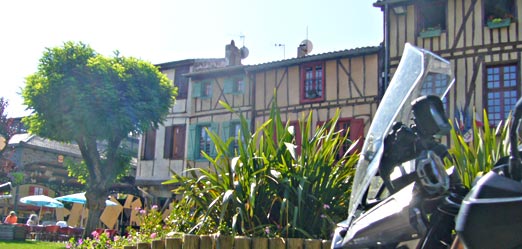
{"points": [[267, 188], [478, 156]]}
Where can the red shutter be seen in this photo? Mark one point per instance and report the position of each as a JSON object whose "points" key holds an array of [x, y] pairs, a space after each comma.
{"points": [[31, 190], [178, 145], [357, 132]]}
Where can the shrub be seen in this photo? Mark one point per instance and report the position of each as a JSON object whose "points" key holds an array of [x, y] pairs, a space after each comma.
{"points": [[476, 157], [266, 188]]}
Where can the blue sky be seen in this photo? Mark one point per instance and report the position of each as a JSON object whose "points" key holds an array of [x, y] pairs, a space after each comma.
{"points": [[162, 31]]}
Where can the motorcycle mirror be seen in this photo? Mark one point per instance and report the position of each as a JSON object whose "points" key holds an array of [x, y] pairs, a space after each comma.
{"points": [[429, 116]]}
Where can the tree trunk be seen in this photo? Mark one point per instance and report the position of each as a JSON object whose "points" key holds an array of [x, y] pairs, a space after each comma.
{"points": [[96, 204]]}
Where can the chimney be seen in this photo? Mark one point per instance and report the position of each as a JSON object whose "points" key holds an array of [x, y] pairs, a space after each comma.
{"points": [[301, 50], [232, 54]]}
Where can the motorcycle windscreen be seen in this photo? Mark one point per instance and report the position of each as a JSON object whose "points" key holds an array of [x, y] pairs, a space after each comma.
{"points": [[419, 73]]}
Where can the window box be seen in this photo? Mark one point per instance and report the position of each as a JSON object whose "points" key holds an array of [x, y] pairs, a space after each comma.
{"points": [[430, 32], [499, 23]]}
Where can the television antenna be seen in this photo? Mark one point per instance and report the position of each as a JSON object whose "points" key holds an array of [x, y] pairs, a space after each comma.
{"points": [[284, 49]]}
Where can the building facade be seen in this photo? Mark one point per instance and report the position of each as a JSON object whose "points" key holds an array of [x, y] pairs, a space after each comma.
{"points": [[481, 38], [347, 80]]}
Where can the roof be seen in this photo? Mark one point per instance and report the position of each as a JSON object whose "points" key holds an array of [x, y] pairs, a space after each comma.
{"points": [[382, 3], [36, 141], [309, 58], [288, 62], [218, 71]]}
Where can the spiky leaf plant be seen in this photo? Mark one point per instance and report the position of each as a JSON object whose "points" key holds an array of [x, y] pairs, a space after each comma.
{"points": [[267, 188], [476, 157]]}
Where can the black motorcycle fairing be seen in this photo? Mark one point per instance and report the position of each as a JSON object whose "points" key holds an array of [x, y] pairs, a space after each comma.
{"points": [[492, 209]]}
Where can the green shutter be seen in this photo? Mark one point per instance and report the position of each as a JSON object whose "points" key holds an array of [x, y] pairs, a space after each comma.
{"points": [[191, 150], [228, 86], [225, 131], [196, 89]]}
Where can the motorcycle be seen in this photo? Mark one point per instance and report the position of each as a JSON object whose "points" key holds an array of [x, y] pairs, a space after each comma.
{"points": [[402, 194]]}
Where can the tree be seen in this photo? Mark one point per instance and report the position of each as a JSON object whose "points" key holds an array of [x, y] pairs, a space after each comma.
{"points": [[8, 127], [78, 95]]}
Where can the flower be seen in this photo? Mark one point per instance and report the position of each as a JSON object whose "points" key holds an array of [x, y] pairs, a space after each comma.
{"points": [[142, 211], [326, 206], [154, 207], [95, 234], [267, 230], [153, 235]]}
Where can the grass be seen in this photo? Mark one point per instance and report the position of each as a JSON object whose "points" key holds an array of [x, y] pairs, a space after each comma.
{"points": [[29, 244]]}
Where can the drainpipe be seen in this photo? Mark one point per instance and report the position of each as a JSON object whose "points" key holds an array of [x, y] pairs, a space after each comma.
{"points": [[386, 18]]}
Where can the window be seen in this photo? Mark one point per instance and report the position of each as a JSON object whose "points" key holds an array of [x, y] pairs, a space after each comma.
{"points": [[231, 130], [355, 127], [312, 82], [37, 191], [501, 92], [149, 144], [431, 19], [202, 89], [181, 82], [436, 84], [199, 141], [174, 146], [497, 10], [234, 86]]}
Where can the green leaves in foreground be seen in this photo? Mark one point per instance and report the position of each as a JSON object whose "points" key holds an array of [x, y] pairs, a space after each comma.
{"points": [[267, 188], [478, 156]]}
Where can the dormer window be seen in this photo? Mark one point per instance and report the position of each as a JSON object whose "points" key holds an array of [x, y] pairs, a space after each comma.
{"points": [[431, 17]]}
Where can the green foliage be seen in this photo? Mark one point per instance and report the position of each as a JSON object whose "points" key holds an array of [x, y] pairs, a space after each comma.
{"points": [[79, 95], [96, 241], [478, 156], [267, 188]]}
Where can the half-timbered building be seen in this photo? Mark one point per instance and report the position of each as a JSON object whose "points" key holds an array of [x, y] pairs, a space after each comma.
{"points": [[320, 84], [482, 39], [163, 150]]}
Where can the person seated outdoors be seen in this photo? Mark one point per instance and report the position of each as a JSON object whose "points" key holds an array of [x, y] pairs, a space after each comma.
{"points": [[33, 220], [11, 218]]}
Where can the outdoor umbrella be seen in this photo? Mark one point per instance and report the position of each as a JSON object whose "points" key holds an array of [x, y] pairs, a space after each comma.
{"points": [[41, 201], [80, 198]]}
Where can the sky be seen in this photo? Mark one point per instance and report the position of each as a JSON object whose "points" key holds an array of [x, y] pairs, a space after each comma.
{"points": [[161, 31]]}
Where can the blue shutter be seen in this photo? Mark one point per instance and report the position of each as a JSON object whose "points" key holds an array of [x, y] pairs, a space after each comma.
{"points": [[228, 86], [191, 150], [196, 89]]}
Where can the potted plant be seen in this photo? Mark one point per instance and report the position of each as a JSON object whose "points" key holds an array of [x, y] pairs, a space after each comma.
{"points": [[430, 32], [499, 22]]}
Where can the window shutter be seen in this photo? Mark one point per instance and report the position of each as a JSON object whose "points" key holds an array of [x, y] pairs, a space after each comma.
{"points": [[357, 131], [167, 147], [225, 131], [214, 128], [196, 89], [178, 145], [45, 191], [228, 86], [31, 190], [191, 149]]}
